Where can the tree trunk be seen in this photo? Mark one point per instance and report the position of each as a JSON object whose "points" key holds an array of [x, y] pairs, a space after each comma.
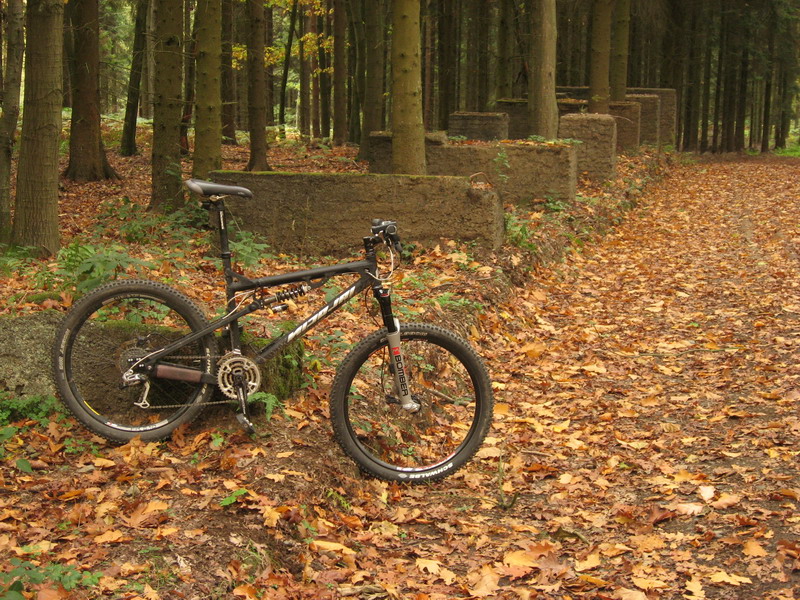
{"points": [[705, 109], [340, 74], [128, 143], [87, 157], [257, 87], [729, 83], [448, 58], [12, 80], [620, 49], [505, 49], [304, 75], [473, 49], [428, 65], [189, 71], [542, 93], [68, 53], [692, 80], [722, 49], [286, 63], [208, 102], [355, 32], [599, 82], [741, 98], [148, 68], [269, 94], [228, 78], [36, 209], [325, 78], [770, 58], [408, 131], [167, 50], [373, 80]]}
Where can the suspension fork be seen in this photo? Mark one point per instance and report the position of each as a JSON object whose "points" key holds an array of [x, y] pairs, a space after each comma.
{"points": [[397, 360]]}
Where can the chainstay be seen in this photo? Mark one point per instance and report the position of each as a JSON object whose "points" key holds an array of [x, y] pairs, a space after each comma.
{"points": [[210, 402]]}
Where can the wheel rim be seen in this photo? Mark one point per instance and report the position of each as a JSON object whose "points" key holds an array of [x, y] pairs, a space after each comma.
{"points": [[114, 336], [397, 439]]}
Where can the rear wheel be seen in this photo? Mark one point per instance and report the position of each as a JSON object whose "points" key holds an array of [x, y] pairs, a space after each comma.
{"points": [[446, 377], [104, 334]]}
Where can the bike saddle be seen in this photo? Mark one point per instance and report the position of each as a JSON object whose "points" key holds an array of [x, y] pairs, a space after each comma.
{"points": [[209, 188]]}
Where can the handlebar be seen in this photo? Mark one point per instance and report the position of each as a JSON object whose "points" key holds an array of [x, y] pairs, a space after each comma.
{"points": [[387, 231]]}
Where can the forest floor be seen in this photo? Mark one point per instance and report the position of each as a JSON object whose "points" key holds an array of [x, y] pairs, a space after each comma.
{"points": [[645, 442]]}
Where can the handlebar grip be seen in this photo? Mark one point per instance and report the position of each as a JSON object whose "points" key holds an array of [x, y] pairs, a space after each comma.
{"points": [[388, 231]]}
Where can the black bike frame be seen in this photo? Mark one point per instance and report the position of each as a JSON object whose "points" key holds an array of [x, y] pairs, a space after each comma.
{"points": [[236, 283]]}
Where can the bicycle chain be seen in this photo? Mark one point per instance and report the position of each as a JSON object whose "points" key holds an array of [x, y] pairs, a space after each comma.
{"points": [[210, 402]]}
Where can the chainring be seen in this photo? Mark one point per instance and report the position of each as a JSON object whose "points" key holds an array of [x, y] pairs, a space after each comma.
{"points": [[232, 366]]}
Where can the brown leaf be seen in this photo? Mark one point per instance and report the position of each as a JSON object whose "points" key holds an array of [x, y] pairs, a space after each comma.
{"points": [[753, 548]]}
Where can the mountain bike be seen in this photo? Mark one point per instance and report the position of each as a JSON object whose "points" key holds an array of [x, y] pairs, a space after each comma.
{"points": [[410, 402]]}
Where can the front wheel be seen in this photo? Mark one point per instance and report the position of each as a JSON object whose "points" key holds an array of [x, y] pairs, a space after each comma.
{"points": [[449, 381]]}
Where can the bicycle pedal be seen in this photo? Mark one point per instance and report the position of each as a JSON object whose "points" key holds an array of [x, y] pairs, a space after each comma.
{"points": [[246, 424]]}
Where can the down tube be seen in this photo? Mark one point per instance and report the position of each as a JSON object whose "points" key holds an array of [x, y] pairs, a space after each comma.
{"points": [[302, 328]]}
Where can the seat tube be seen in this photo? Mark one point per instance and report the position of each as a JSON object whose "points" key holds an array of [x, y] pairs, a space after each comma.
{"points": [[225, 255], [397, 360]]}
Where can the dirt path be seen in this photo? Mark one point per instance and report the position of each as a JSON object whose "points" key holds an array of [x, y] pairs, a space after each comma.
{"points": [[650, 442]]}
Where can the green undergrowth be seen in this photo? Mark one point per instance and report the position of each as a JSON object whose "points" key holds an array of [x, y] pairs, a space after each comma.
{"points": [[792, 150], [166, 243]]}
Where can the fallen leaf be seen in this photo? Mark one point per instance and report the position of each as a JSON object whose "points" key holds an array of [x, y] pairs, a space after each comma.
{"points": [[326, 546], [521, 558], [726, 500], [689, 508], [706, 492], [592, 561], [723, 577], [427, 565], [753, 548], [112, 535]]}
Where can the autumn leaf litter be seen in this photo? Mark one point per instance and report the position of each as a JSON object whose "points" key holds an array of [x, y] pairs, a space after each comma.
{"points": [[644, 443]]}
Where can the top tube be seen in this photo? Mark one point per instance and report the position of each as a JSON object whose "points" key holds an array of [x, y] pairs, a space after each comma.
{"points": [[361, 267]]}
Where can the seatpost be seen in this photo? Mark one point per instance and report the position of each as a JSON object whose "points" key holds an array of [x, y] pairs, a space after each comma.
{"points": [[225, 255]]}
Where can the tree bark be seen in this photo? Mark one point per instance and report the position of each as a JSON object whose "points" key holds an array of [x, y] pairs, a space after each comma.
{"points": [[448, 57], [168, 48], [620, 49], [257, 87], [325, 78], [286, 63], [373, 80], [304, 75], [208, 97], [36, 208], [505, 49], [87, 157], [599, 82], [355, 60], [228, 78], [313, 60], [12, 80], [127, 145], [340, 74], [408, 132], [767, 116], [189, 74], [542, 104]]}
